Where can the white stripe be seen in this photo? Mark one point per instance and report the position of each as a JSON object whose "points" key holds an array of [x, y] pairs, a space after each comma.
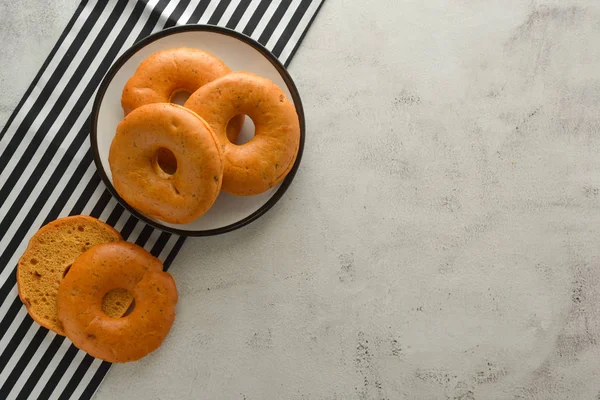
{"points": [[10, 332], [166, 13], [152, 239], [185, 17], [52, 65], [94, 198], [247, 15], [89, 374], [228, 12], [66, 377], [60, 353], [10, 298], [122, 220], [169, 246], [57, 91], [266, 18], [312, 9], [110, 206], [135, 233], [208, 12], [282, 24]]}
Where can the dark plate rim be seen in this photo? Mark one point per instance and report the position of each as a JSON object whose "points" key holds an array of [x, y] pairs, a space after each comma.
{"points": [[206, 28]]}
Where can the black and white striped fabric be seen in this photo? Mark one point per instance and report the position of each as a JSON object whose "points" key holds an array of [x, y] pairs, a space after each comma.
{"points": [[46, 167]]}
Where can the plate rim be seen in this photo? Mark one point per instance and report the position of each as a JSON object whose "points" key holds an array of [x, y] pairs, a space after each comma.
{"points": [[116, 66]]}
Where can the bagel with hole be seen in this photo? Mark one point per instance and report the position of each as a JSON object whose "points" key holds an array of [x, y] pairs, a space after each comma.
{"points": [[166, 162], [264, 161], [109, 266], [168, 72]]}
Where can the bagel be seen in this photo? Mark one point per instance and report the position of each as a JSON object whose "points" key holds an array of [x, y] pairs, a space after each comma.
{"points": [[265, 160], [165, 73], [189, 180], [47, 259], [104, 268]]}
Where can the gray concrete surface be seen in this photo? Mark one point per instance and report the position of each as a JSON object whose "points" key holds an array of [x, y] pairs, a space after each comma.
{"points": [[441, 239]]}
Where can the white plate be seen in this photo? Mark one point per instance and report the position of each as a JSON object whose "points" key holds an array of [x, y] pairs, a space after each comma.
{"points": [[238, 52]]}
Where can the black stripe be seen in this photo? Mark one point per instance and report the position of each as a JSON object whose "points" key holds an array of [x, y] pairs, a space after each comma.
{"points": [[174, 252], [238, 14], [89, 190], [128, 227], [10, 315], [219, 11], [158, 247], [41, 366], [256, 17], [301, 38], [289, 30], [84, 365], [22, 363], [67, 192], [144, 235], [58, 373], [95, 382], [14, 342], [42, 99], [115, 215], [179, 9], [8, 319], [37, 78], [275, 19], [198, 12], [150, 24], [101, 204]]}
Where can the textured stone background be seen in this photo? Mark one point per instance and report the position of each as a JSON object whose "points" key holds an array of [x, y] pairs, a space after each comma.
{"points": [[441, 240]]}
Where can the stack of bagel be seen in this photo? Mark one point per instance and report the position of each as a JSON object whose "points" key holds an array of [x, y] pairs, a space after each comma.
{"points": [[78, 277], [170, 162]]}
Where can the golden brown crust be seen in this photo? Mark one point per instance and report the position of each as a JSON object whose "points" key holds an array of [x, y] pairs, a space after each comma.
{"points": [[267, 158], [48, 256], [165, 73], [104, 268], [192, 189]]}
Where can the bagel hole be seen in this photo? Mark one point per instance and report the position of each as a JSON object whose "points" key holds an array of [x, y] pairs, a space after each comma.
{"points": [[115, 300], [180, 97], [67, 270], [130, 309], [166, 161], [246, 133]]}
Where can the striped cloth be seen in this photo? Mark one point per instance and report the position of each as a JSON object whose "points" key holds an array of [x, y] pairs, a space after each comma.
{"points": [[46, 166]]}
